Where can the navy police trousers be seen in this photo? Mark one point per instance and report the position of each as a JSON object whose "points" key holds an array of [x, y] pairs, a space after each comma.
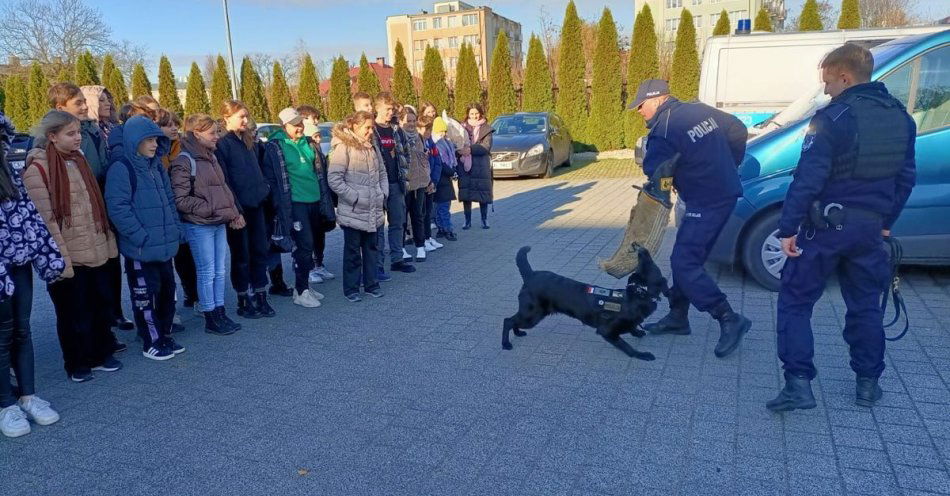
{"points": [[694, 240], [858, 256]]}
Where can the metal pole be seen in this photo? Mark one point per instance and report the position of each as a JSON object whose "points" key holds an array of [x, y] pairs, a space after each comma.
{"points": [[227, 27]]}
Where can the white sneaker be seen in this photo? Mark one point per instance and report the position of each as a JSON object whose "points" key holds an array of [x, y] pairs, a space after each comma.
{"points": [[322, 271], [13, 422], [428, 246], [405, 255], [315, 277], [420, 254], [39, 411], [435, 243], [307, 299], [176, 319]]}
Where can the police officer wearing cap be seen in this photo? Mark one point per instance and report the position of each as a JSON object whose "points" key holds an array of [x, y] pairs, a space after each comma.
{"points": [[710, 144], [854, 176]]}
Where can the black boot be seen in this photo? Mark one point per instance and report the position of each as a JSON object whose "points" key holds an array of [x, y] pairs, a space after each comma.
{"points": [[732, 326], [277, 285], [262, 306], [675, 322], [867, 391], [213, 324], [796, 395], [225, 321], [246, 308]]}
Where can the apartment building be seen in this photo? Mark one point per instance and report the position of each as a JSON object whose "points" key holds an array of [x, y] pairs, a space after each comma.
{"points": [[448, 26], [667, 13]]}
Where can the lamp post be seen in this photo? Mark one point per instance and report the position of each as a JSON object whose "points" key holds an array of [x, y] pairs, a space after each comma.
{"points": [[227, 27]]}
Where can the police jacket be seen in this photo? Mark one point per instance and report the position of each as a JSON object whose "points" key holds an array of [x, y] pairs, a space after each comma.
{"points": [[711, 144], [874, 173]]}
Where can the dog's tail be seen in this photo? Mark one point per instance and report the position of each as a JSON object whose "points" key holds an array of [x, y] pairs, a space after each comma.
{"points": [[522, 260]]}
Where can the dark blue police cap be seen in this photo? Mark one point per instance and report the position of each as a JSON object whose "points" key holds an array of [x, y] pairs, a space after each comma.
{"points": [[650, 88]]}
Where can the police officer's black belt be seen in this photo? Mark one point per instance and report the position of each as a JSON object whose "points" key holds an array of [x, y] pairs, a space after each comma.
{"points": [[835, 215]]}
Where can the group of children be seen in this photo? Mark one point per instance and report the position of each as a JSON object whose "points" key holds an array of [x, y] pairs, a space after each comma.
{"points": [[101, 182]]}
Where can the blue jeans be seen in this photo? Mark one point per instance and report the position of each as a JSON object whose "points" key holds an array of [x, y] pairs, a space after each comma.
{"points": [[443, 219], [209, 245]]}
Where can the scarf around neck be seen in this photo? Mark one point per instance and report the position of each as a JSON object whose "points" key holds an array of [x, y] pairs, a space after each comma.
{"points": [[58, 187]]}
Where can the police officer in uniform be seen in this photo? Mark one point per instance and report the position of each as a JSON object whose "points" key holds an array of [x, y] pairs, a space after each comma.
{"points": [[710, 144], [854, 176]]}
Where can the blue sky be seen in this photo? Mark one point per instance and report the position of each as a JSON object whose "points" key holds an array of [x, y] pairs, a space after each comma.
{"points": [[189, 30]]}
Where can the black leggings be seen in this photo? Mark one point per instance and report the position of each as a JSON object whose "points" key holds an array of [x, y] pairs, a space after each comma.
{"points": [[249, 253], [415, 203], [16, 343], [482, 210]]}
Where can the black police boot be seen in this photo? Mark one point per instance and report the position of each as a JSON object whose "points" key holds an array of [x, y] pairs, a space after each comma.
{"points": [[246, 308], [675, 322], [732, 326], [262, 305], [867, 391], [796, 395]]}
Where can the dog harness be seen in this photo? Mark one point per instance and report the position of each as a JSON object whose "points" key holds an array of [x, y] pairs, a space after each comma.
{"points": [[610, 300]]}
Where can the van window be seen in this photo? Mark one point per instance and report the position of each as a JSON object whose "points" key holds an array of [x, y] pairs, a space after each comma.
{"points": [[932, 105]]}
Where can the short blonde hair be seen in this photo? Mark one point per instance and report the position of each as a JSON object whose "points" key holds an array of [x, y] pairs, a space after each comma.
{"points": [[851, 58]]}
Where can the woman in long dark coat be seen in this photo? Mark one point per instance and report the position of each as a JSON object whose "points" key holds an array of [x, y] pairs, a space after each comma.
{"points": [[475, 180]]}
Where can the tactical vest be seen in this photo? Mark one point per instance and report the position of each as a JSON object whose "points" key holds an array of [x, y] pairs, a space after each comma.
{"points": [[880, 145]]}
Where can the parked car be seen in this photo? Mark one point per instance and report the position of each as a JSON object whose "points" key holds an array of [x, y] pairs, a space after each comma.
{"points": [[20, 145], [916, 70], [266, 129], [529, 144], [325, 136]]}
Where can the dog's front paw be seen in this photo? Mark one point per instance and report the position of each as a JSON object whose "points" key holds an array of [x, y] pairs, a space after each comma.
{"points": [[519, 333], [506, 346]]}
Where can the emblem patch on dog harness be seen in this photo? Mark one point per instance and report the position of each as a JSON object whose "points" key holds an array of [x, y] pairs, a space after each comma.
{"points": [[598, 291], [610, 300], [611, 306]]}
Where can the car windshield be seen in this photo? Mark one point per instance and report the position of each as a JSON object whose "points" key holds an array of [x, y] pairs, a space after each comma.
{"points": [[519, 124], [806, 105]]}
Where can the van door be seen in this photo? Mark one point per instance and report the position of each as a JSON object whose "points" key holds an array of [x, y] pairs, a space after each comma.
{"points": [[923, 84]]}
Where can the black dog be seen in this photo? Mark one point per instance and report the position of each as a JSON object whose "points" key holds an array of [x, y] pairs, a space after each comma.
{"points": [[611, 311]]}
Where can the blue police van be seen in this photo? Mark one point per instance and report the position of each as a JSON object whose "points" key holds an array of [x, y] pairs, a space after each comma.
{"points": [[916, 70]]}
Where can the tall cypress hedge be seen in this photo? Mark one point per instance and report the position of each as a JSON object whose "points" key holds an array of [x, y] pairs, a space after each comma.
{"points": [[340, 102], [367, 80], [468, 85], [501, 89], [684, 76], [404, 90], [220, 86], [434, 87], [605, 127], [196, 97], [643, 64], [308, 88], [140, 83], [167, 91], [537, 93], [571, 87], [280, 97]]}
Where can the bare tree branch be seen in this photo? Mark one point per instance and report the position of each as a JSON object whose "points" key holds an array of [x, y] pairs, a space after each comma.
{"points": [[52, 31], [127, 54]]}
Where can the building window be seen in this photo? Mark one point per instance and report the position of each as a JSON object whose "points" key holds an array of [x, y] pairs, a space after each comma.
{"points": [[419, 45], [674, 4], [697, 2], [478, 60], [437, 43], [453, 41], [698, 21], [471, 39], [453, 61], [419, 25], [738, 14], [419, 67], [472, 19], [436, 23], [672, 25], [452, 21]]}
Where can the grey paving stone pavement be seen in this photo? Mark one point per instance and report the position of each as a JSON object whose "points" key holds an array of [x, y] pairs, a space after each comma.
{"points": [[412, 393]]}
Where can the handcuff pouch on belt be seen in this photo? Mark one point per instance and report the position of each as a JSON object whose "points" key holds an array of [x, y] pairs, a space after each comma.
{"points": [[821, 218]]}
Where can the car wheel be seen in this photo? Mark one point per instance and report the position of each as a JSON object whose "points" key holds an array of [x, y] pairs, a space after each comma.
{"points": [[549, 170], [762, 254], [570, 158]]}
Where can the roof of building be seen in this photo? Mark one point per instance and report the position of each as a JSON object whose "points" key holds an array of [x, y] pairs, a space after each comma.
{"points": [[383, 72]]}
